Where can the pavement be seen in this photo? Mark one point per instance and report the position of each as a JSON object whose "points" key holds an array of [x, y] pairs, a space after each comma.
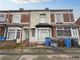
{"points": [[40, 57], [47, 53], [40, 50]]}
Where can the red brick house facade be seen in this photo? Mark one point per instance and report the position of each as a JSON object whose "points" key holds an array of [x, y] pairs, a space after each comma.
{"points": [[36, 25]]}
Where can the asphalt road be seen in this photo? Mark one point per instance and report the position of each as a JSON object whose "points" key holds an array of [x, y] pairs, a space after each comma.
{"points": [[40, 54], [40, 57]]}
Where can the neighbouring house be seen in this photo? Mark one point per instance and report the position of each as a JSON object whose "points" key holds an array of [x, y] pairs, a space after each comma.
{"points": [[35, 25], [78, 25]]}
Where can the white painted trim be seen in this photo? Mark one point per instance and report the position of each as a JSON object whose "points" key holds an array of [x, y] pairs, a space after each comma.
{"points": [[32, 27], [56, 33], [13, 18], [15, 28], [55, 17], [4, 17], [37, 33], [26, 27], [63, 36], [72, 33], [43, 28], [5, 33], [60, 12], [51, 32]]}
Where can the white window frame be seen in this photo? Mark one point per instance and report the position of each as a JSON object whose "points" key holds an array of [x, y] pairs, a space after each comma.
{"points": [[15, 29], [8, 34], [62, 36], [43, 17], [4, 17], [56, 18], [77, 31], [19, 19], [50, 35]]}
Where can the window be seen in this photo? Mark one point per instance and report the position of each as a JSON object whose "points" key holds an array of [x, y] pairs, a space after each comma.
{"points": [[16, 18], [42, 18], [59, 32], [11, 34], [18, 34], [2, 18], [59, 18], [74, 27], [63, 31]]}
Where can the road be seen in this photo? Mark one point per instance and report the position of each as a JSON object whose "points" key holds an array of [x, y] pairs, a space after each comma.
{"points": [[40, 54], [40, 57]]}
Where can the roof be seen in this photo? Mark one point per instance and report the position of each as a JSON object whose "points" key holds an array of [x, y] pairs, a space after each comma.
{"points": [[78, 21], [22, 10]]}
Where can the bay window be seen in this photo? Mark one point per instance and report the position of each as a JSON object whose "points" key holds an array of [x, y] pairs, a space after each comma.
{"points": [[63, 31], [13, 34]]}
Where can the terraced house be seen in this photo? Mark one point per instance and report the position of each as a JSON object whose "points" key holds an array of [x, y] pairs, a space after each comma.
{"points": [[35, 25]]}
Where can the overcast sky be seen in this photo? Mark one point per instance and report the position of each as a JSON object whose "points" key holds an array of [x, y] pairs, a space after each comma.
{"points": [[41, 4]]}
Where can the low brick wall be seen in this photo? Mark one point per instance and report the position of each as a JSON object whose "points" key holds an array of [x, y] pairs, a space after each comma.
{"points": [[8, 43], [25, 43]]}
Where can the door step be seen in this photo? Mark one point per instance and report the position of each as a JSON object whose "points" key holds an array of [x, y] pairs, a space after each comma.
{"points": [[40, 43]]}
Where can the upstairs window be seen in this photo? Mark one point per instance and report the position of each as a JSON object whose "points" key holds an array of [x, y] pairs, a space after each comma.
{"points": [[2, 18], [42, 18], [16, 18], [58, 18]]}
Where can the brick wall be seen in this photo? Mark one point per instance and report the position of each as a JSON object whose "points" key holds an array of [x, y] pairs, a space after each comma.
{"points": [[9, 17], [78, 21], [2, 31], [9, 43], [53, 31], [68, 18], [72, 17], [25, 18]]}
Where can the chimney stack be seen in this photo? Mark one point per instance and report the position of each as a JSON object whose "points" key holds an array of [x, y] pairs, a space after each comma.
{"points": [[21, 9], [46, 8]]}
